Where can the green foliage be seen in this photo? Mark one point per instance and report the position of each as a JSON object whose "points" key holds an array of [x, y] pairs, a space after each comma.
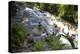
{"points": [[54, 42], [18, 35], [38, 45], [69, 13]]}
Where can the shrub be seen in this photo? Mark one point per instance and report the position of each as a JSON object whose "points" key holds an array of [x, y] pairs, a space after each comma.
{"points": [[38, 45], [18, 35], [54, 42]]}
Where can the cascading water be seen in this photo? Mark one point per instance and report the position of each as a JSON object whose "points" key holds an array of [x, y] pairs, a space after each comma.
{"points": [[33, 17]]}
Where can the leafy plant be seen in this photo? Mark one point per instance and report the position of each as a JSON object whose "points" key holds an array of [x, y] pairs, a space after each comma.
{"points": [[38, 45], [18, 35], [54, 42]]}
